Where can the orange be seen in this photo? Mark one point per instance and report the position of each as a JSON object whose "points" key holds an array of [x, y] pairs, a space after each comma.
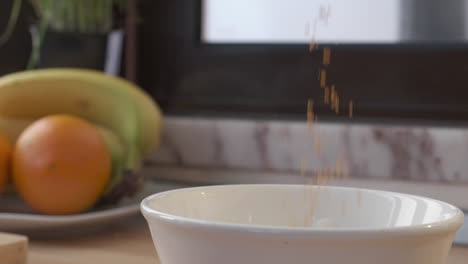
{"points": [[5, 155], [60, 165]]}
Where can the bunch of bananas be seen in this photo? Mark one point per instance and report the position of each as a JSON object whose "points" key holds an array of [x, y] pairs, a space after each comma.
{"points": [[128, 119]]}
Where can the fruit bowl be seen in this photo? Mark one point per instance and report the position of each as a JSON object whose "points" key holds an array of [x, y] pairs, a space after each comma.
{"points": [[276, 224], [17, 217]]}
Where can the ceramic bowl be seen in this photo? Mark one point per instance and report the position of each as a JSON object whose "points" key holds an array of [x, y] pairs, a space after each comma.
{"points": [[277, 224]]}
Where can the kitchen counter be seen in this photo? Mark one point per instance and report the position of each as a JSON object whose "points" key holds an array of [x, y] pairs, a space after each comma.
{"points": [[123, 243]]}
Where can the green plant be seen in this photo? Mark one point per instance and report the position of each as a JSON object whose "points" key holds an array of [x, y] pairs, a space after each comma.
{"points": [[80, 16], [83, 16], [15, 11]]}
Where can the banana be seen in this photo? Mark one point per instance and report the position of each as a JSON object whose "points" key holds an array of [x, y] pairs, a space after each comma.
{"points": [[12, 127], [117, 154], [109, 101], [122, 182], [148, 112]]}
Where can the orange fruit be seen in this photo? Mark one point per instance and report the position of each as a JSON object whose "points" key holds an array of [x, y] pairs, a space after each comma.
{"points": [[60, 165], [5, 155]]}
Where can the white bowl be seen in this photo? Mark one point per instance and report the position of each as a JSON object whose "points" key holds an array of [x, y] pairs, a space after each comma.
{"points": [[276, 224]]}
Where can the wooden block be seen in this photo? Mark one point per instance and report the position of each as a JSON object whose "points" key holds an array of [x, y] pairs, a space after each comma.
{"points": [[13, 249]]}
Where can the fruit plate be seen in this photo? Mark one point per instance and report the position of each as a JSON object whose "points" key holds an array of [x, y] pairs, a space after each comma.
{"points": [[16, 217]]}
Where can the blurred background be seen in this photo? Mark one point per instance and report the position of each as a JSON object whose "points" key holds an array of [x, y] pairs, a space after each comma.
{"points": [[400, 61]]}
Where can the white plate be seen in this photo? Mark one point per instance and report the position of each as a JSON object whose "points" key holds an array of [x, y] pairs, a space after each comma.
{"points": [[16, 217]]}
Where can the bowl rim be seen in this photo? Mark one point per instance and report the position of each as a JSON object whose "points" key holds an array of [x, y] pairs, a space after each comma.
{"points": [[444, 226]]}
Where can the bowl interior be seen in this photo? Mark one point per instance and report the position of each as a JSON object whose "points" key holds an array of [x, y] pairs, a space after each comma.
{"points": [[301, 206]]}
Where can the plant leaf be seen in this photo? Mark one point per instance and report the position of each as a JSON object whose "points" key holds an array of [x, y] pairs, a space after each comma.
{"points": [[12, 21]]}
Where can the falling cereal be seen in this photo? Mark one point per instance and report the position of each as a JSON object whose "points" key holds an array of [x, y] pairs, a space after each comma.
{"points": [[323, 78], [326, 56]]}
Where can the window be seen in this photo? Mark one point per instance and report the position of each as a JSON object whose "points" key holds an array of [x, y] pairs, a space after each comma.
{"points": [[419, 78], [296, 21]]}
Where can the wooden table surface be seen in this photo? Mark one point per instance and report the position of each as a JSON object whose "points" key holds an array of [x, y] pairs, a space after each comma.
{"points": [[128, 242], [123, 243]]}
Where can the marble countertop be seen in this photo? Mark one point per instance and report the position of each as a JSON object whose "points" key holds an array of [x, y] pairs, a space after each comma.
{"points": [[417, 153]]}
